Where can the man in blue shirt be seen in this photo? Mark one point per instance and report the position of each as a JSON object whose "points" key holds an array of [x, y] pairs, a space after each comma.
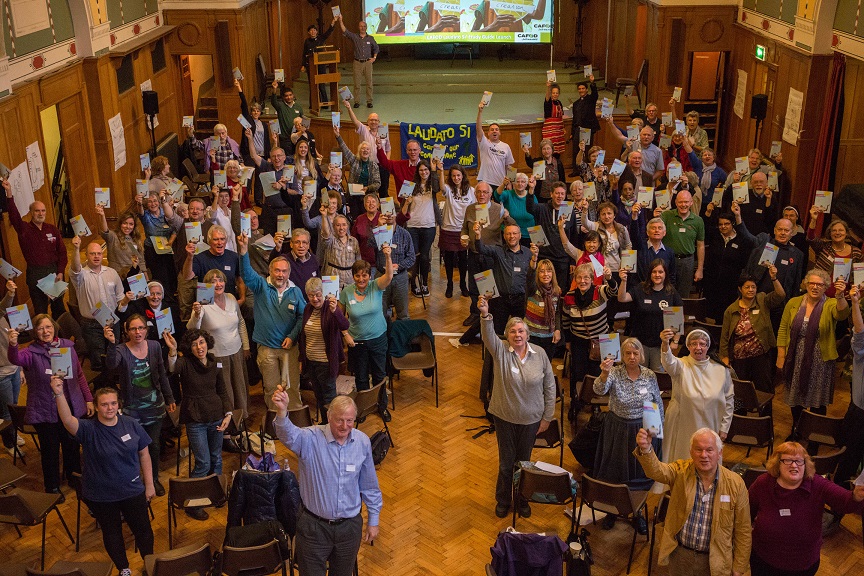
{"points": [[278, 311], [336, 474]]}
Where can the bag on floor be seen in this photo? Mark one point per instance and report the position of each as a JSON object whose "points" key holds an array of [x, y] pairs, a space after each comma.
{"points": [[584, 443], [579, 559], [380, 446]]}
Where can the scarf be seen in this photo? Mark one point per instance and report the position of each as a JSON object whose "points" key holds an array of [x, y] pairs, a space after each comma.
{"points": [[705, 182], [810, 343], [576, 298], [548, 296]]}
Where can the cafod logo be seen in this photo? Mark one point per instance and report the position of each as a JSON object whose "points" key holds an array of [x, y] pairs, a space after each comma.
{"points": [[527, 37]]}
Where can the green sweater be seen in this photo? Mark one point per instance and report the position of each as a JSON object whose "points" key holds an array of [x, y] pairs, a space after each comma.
{"points": [[827, 322], [516, 207]]}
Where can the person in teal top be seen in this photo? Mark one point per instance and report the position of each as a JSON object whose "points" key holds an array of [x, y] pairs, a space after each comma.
{"points": [[367, 334], [513, 198]]}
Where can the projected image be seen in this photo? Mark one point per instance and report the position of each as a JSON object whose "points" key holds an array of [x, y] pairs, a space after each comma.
{"points": [[413, 21]]}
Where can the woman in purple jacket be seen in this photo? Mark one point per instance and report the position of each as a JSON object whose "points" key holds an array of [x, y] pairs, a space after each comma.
{"points": [[41, 407], [321, 350]]}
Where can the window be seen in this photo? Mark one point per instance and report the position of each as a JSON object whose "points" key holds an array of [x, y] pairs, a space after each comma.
{"points": [[125, 75], [157, 56]]}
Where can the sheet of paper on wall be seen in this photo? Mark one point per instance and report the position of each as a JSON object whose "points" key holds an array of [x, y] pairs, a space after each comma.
{"points": [[8, 271], [823, 199], [551, 76], [118, 141], [29, 17], [22, 189], [842, 269], [146, 85], [792, 122], [79, 226], [279, 75], [19, 318], [152, 125], [35, 166], [740, 94], [741, 192]]}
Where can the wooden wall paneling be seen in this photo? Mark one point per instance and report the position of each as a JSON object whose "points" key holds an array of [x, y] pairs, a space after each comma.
{"points": [[851, 148]]}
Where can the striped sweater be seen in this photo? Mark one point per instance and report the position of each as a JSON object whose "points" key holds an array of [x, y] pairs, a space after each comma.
{"points": [[595, 321]]}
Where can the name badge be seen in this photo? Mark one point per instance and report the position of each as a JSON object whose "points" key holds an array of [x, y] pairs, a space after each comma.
{"points": [[784, 262], [754, 312], [48, 371], [514, 369], [725, 498], [517, 269], [314, 273], [682, 230], [149, 323], [125, 437], [785, 512], [49, 236], [734, 246], [643, 391], [350, 248], [228, 268], [352, 302], [290, 307], [541, 304], [758, 210], [218, 364], [350, 467], [647, 301]]}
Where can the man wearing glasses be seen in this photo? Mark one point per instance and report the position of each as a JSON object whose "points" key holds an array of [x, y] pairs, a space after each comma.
{"points": [[708, 520]]}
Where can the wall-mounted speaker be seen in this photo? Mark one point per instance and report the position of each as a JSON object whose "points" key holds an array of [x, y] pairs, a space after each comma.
{"points": [[151, 102]]}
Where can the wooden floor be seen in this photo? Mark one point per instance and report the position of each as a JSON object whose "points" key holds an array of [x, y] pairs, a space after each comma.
{"points": [[438, 484]]}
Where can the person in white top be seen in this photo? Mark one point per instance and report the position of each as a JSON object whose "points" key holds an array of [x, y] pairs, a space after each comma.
{"points": [[223, 320], [458, 195], [95, 284], [495, 155], [421, 209], [220, 212]]}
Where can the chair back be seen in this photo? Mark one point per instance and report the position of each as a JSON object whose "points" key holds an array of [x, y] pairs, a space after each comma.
{"points": [[14, 510], [826, 464], [642, 76], [67, 568], [267, 423], [695, 307], [661, 509], [187, 560], [664, 381], [252, 561], [206, 491], [71, 330], [191, 170], [301, 417], [753, 431], [71, 572], [587, 395], [609, 498], [820, 429], [16, 413], [535, 482], [713, 330], [367, 400], [751, 474], [745, 394], [551, 437]]}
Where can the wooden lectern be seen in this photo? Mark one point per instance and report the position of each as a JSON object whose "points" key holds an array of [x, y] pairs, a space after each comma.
{"points": [[329, 59]]}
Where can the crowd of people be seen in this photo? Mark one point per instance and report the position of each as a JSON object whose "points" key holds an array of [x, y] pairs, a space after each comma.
{"points": [[277, 275]]}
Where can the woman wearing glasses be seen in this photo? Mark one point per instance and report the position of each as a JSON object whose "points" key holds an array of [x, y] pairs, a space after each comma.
{"points": [[806, 346], [786, 506]]}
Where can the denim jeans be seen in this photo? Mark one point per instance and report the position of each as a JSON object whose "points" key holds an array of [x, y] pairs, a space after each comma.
{"points": [[10, 387], [396, 295], [206, 445]]}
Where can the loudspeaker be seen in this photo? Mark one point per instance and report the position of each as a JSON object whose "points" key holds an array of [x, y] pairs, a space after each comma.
{"points": [[151, 102], [759, 106]]}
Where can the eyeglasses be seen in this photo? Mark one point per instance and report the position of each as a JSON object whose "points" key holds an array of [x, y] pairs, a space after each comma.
{"points": [[790, 462], [816, 284], [137, 328]]}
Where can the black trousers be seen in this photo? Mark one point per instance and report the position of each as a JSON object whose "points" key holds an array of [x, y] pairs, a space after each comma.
{"points": [[515, 442], [110, 516], [319, 544], [52, 437]]}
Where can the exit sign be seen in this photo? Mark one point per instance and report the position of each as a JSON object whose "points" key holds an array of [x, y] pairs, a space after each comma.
{"points": [[760, 52]]}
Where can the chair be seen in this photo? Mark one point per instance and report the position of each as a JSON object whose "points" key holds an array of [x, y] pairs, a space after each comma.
{"points": [[817, 429], [183, 492], [9, 475], [659, 519], [461, 47], [16, 413], [192, 171], [71, 329], [587, 395], [265, 79], [367, 405], [640, 80], [826, 464], [175, 422], [254, 560], [697, 308], [28, 508], [237, 425], [615, 499], [713, 330], [301, 417], [751, 474], [752, 432], [64, 568], [541, 487], [750, 399], [553, 437], [186, 560], [422, 359]]}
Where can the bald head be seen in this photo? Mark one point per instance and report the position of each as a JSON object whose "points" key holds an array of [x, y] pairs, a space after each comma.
{"points": [[94, 255], [683, 201], [759, 182], [37, 212]]}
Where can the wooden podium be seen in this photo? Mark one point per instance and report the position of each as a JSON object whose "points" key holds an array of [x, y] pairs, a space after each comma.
{"points": [[330, 59]]}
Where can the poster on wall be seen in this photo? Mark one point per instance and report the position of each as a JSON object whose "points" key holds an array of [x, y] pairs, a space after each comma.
{"points": [[22, 189], [29, 16], [792, 124], [740, 94], [36, 166], [118, 141]]}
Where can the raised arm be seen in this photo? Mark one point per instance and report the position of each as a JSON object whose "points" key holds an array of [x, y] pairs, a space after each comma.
{"points": [[479, 125], [70, 422], [384, 281], [252, 152], [102, 222]]}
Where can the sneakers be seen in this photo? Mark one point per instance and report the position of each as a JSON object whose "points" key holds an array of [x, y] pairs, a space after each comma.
{"points": [[456, 343], [125, 572], [424, 290], [417, 291]]}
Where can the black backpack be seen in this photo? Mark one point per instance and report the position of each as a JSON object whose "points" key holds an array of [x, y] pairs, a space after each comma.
{"points": [[380, 446]]}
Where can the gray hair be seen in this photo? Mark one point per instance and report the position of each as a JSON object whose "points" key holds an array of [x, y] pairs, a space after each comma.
{"points": [[214, 229], [512, 321], [340, 405], [300, 232], [702, 432], [314, 285], [656, 221], [636, 345]]}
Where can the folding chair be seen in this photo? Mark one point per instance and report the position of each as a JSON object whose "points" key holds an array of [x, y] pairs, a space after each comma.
{"points": [[423, 359], [750, 399], [16, 413], [64, 568], [9, 475], [28, 508], [817, 430], [301, 417], [192, 559], [182, 492], [541, 487], [367, 405], [695, 309], [254, 560], [752, 432], [553, 437], [640, 80], [659, 520]]}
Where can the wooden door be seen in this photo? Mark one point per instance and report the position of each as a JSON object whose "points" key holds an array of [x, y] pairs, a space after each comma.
{"points": [[73, 135], [186, 86], [704, 76]]}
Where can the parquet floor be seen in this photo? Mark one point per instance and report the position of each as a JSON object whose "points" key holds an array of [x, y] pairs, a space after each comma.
{"points": [[438, 484]]}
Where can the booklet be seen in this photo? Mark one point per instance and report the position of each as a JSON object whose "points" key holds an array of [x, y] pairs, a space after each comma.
{"points": [[551, 76], [336, 159], [336, 118], [538, 170], [104, 315], [565, 210], [164, 321], [310, 188], [330, 286], [283, 224], [823, 199], [279, 75], [307, 121], [175, 188], [601, 156], [383, 235], [266, 242], [246, 224], [487, 98], [538, 236], [237, 74], [438, 151], [667, 119], [717, 198], [773, 180], [7, 270], [673, 171], [204, 293], [652, 421], [220, 179], [103, 195], [633, 132], [336, 11], [188, 121], [775, 148], [663, 198], [595, 263], [19, 318], [858, 273], [589, 191], [193, 231], [645, 196], [680, 127], [61, 362], [52, 287], [267, 180], [243, 122], [161, 245], [588, 70], [585, 136], [246, 172], [628, 260], [407, 189], [142, 188], [486, 284], [356, 190], [383, 131], [511, 173], [665, 141], [610, 347], [79, 226], [673, 317], [345, 94], [769, 255], [145, 161], [842, 269], [525, 139], [741, 192], [742, 165], [481, 213], [388, 206], [617, 167], [138, 286], [275, 128], [606, 108], [676, 94]]}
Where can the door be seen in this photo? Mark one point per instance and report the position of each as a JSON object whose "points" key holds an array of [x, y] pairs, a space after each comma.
{"points": [[704, 76], [186, 86], [73, 133]]}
